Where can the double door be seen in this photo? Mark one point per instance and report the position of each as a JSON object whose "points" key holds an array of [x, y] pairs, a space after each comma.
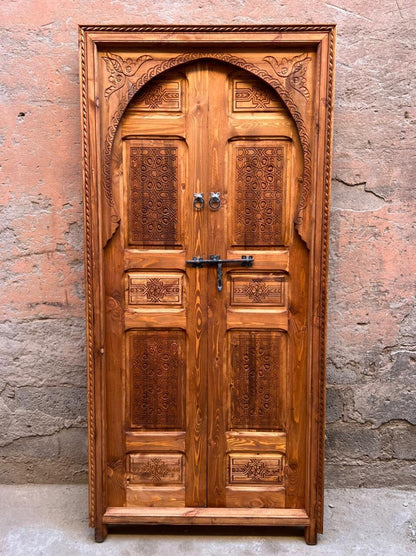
{"points": [[206, 157], [206, 366]]}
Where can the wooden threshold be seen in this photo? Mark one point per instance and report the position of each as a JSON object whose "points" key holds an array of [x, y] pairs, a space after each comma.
{"points": [[206, 516]]}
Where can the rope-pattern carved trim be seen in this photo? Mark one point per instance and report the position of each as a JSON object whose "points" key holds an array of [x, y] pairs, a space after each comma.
{"points": [[236, 61], [324, 281], [89, 285], [206, 28]]}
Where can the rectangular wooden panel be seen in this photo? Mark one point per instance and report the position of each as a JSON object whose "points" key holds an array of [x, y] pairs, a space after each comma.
{"points": [[155, 469], [264, 289], [256, 441], [154, 177], [254, 318], [255, 360], [256, 468], [155, 441], [258, 181], [171, 496], [154, 288], [253, 96], [164, 95], [156, 363], [175, 318], [255, 496]]}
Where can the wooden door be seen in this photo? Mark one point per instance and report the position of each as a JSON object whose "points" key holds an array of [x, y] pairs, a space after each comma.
{"points": [[206, 183], [203, 375]]}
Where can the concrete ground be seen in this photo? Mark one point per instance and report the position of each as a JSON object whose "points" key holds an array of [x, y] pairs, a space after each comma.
{"points": [[51, 520]]}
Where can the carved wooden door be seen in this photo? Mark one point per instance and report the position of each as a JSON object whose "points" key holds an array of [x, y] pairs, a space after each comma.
{"points": [[207, 290]]}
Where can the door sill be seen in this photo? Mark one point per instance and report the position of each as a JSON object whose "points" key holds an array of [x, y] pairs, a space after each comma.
{"points": [[206, 516]]}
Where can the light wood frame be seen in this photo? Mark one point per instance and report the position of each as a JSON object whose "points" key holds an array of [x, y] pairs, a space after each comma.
{"points": [[312, 224]]}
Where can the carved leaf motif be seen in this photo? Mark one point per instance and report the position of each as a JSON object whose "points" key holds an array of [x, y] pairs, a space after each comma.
{"points": [[293, 70], [113, 305], [120, 70]]}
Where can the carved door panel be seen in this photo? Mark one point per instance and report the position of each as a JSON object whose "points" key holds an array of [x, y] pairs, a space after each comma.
{"points": [[206, 191]]}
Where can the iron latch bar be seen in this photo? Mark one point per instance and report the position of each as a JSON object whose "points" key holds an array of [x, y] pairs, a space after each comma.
{"points": [[199, 262]]}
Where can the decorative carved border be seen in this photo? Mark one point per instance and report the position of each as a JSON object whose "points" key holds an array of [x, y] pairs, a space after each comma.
{"points": [[88, 281], [207, 28], [324, 283]]}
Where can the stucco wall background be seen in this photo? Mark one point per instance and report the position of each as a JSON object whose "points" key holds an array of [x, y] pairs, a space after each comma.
{"points": [[371, 318]]}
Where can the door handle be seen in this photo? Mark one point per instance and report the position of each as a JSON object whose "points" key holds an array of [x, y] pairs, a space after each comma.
{"points": [[214, 201], [199, 262]]}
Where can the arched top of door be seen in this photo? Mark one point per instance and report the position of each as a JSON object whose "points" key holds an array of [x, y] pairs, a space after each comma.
{"points": [[123, 78], [238, 62]]}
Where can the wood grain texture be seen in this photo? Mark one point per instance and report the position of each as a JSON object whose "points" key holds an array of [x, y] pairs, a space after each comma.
{"points": [[156, 362], [207, 516], [154, 289], [240, 120], [156, 469]]}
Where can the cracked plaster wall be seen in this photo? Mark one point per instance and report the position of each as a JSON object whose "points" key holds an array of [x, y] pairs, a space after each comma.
{"points": [[371, 319]]}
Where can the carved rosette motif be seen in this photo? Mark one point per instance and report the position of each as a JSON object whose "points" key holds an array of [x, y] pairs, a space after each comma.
{"points": [[257, 469], [153, 289], [153, 196], [258, 196], [156, 469], [257, 290]]}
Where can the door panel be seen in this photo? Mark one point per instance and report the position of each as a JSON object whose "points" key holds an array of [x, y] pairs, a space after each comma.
{"points": [[155, 172], [257, 193], [205, 379]]}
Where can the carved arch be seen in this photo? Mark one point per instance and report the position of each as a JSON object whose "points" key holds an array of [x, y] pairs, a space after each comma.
{"points": [[181, 59]]}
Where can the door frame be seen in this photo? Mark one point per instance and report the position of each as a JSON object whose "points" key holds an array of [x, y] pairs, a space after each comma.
{"points": [[101, 111]]}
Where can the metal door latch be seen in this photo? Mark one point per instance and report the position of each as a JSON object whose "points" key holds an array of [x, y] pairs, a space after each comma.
{"points": [[199, 262]]}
